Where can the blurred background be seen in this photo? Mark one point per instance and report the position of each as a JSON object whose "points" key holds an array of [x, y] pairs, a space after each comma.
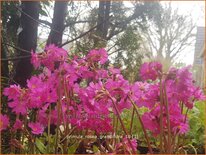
{"points": [[132, 32]]}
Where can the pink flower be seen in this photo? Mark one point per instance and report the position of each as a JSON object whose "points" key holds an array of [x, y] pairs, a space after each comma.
{"points": [[101, 74], [183, 79], [125, 147], [49, 58], [35, 60], [43, 117], [18, 124], [181, 88], [34, 83], [4, 122], [182, 128], [18, 99], [98, 56], [37, 128], [41, 91], [114, 70], [13, 92], [91, 121], [58, 53], [198, 94], [150, 71], [19, 105], [145, 94], [53, 55], [151, 123], [87, 91]]}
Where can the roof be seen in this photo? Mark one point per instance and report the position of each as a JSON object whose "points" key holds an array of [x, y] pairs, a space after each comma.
{"points": [[202, 51]]}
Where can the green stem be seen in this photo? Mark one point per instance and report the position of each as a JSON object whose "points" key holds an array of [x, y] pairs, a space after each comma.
{"points": [[132, 119], [186, 115], [49, 123], [66, 136], [57, 129], [168, 121], [58, 118], [142, 124], [121, 122], [178, 138], [161, 119], [23, 133], [113, 132], [117, 124]]}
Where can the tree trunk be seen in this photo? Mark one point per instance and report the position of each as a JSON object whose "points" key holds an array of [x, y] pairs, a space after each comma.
{"points": [[57, 28], [106, 17], [56, 33], [103, 18], [103, 24], [4, 64], [27, 40]]}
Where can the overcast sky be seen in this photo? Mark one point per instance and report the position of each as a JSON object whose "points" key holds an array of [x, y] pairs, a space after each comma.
{"points": [[194, 8], [197, 10]]}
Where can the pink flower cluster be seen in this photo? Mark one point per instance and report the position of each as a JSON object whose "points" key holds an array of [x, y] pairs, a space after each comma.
{"points": [[82, 93], [150, 70], [180, 92]]}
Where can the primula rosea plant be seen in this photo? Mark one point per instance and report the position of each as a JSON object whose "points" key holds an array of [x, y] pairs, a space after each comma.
{"points": [[81, 96]]}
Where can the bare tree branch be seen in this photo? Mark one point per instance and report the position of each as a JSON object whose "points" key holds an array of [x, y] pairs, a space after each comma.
{"points": [[78, 22], [170, 34], [17, 48], [17, 58], [83, 34], [45, 22], [42, 22]]}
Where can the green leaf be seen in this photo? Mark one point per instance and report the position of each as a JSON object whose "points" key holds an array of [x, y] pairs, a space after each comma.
{"points": [[72, 149], [40, 146], [95, 149]]}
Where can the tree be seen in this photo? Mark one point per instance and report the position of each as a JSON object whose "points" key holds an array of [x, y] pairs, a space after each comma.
{"points": [[103, 19], [10, 24], [119, 29], [57, 26], [168, 34], [128, 55], [105, 26], [27, 40], [126, 36]]}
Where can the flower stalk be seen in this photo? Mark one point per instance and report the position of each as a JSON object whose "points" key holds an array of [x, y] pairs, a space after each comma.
{"points": [[121, 122], [161, 117], [142, 124]]}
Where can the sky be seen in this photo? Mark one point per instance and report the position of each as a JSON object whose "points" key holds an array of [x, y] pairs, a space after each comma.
{"points": [[194, 8], [197, 11]]}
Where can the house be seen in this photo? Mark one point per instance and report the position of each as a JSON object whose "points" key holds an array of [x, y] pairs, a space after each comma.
{"points": [[203, 67], [199, 57]]}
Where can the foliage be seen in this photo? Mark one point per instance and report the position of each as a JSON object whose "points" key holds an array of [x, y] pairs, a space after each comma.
{"points": [[197, 127], [10, 20]]}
